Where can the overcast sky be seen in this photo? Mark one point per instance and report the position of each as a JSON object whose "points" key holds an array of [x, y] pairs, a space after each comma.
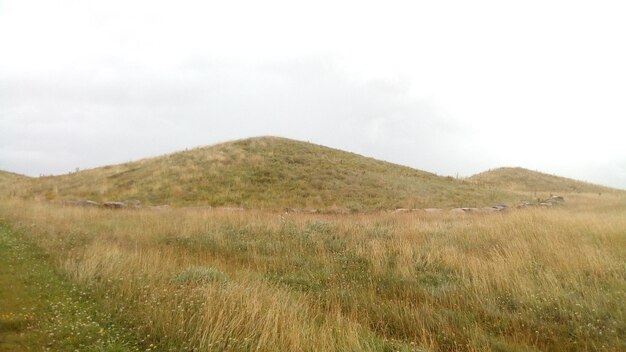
{"points": [[451, 87]]}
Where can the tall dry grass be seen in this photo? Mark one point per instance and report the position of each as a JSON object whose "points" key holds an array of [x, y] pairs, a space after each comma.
{"points": [[206, 279]]}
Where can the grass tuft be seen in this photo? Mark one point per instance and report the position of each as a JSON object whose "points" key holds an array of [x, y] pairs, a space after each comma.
{"points": [[200, 275]]}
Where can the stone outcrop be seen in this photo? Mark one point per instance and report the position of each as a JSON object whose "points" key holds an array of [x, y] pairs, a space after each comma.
{"points": [[114, 205], [81, 203], [87, 204], [554, 200], [551, 201]]}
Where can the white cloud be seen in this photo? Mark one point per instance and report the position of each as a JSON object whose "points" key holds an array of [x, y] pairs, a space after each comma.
{"points": [[445, 86]]}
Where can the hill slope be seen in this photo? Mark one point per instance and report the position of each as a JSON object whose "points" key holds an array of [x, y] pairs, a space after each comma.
{"points": [[10, 176], [265, 172], [9, 181], [520, 179]]}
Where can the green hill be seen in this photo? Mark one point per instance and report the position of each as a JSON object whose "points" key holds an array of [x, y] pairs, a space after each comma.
{"points": [[263, 172], [523, 180]]}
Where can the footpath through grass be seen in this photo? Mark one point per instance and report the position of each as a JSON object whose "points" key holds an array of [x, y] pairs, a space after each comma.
{"points": [[41, 311]]}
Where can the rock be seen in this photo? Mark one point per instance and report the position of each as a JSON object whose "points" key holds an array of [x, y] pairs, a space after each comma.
{"points": [[402, 210], [457, 210], [467, 210], [432, 210], [81, 203], [554, 200], [88, 203], [300, 210], [114, 205]]}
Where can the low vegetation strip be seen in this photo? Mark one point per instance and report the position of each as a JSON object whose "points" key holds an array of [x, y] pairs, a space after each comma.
{"points": [[42, 311]]}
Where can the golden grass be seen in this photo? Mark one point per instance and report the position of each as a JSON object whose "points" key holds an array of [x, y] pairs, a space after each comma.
{"points": [[531, 279]]}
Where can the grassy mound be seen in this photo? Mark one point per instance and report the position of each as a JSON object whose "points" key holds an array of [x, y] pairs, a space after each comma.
{"points": [[520, 179], [264, 172]]}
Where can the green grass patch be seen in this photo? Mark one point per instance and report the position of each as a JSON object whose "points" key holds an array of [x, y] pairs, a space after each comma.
{"points": [[200, 275], [41, 311]]}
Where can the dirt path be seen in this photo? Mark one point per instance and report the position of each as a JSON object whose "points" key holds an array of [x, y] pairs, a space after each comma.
{"points": [[42, 311]]}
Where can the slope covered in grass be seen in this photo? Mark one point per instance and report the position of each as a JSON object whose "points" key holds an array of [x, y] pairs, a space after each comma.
{"points": [[10, 181], [9, 176], [265, 172], [520, 179]]}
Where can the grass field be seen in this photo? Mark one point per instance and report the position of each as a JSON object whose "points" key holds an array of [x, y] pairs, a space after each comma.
{"points": [[215, 280]]}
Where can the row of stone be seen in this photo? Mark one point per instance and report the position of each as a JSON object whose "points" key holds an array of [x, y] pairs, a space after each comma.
{"points": [[109, 205], [498, 207], [135, 204], [552, 201]]}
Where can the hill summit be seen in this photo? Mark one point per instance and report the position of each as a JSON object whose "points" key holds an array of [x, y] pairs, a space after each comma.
{"points": [[267, 173], [524, 180]]}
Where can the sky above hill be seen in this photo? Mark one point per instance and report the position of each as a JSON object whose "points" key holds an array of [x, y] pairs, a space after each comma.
{"points": [[451, 87]]}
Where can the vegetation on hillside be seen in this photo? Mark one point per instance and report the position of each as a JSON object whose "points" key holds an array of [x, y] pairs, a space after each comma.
{"points": [[520, 179], [10, 183], [6, 176], [216, 280], [265, 173]]}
